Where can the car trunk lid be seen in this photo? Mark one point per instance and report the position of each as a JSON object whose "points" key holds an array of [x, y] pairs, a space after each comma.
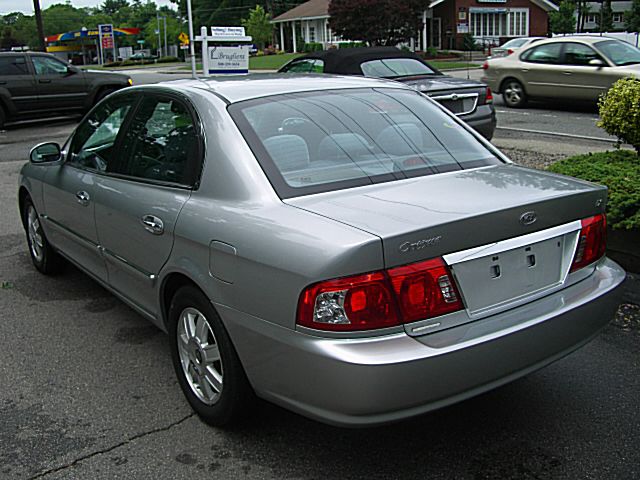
{"points": [[515, 226], [458, 95]]}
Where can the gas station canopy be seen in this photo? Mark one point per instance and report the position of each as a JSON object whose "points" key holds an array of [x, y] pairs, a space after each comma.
{"points": [[89, 33]]}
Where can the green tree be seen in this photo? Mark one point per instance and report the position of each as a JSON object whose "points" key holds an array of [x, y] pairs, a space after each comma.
{"points": [[605, 21], [111, 7], [378, 22], [258, 26], [632, 17], [174, 27], [563, 20], [8, 40]]}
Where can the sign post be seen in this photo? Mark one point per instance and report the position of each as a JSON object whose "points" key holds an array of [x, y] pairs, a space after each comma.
{"points": [[105, 34], [229, 53]]}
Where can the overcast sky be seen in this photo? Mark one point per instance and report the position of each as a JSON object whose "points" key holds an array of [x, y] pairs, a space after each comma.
{"points": [[26, 6]]}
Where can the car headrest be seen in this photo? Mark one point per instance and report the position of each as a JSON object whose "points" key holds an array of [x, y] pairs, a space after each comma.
{"points": [[289, 152]]}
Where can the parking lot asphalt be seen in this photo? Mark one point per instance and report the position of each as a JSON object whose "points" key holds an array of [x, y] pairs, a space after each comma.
{"points": [[87, 391]]}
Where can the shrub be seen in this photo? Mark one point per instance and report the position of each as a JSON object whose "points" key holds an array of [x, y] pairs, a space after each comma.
{"points": [[620, 171], [350, 44], [312, 47], [168, 59], [620, 111], [112, 64], [432, 52]]}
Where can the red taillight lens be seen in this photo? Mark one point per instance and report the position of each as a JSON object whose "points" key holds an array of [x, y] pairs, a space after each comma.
{"points": [[424, 290], [592, 242], [363, 302], [509, 51], [489, 97], [485, 65]]}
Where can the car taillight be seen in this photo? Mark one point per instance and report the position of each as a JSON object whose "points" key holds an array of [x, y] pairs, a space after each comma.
{"points": [[592, 241], [509, 51], [485, 65], [380, 299], [488, 97], [424, 290]]}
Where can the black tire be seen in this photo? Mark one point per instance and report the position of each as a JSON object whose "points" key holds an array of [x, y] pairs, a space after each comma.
{"points": [[3, 117], [43, 256], [513, 93], [235, 396], [103, 93]]}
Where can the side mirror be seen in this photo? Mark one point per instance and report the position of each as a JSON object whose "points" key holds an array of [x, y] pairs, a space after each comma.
{"points": [[596, 62], [45, 152], [71, 70]]}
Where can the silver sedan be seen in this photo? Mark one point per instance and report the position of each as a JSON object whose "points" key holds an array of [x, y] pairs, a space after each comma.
{"points": [[344, 247]]}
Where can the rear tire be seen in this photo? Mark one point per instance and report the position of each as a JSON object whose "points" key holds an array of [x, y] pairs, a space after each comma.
{"points": [[43, 256], [205, 361], [513, 94], [3, 117]]}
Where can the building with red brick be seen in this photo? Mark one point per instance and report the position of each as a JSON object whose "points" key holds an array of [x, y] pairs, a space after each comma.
{"points": [[444, 22]]}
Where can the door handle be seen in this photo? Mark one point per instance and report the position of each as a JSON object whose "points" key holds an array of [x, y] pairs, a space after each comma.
{"points": [[2, 82], [153, 224], [43, 80], [567, 73], [83, 198]]}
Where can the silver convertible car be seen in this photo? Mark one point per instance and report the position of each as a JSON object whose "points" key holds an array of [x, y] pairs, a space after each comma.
{"points": [[344, 247]]}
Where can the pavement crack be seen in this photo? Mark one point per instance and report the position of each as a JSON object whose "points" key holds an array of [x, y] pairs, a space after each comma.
{"points": [[110, 449]]}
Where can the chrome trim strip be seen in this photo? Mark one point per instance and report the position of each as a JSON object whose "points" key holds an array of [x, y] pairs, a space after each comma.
{"points": [[511, 243], [110, 256]]}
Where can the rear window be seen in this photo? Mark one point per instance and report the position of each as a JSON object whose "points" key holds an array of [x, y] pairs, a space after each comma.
{"points": [[13, 65], [395, 67], [322, 141]]}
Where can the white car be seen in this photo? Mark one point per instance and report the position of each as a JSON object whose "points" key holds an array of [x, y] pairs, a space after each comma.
{"points": [[513, 45]]}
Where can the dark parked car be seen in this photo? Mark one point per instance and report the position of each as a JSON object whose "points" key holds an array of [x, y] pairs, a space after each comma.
{"points": [[35, 84], [470, 100]]}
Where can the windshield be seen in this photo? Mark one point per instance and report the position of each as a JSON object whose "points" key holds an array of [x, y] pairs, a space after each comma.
{"points": [[328, 140], [395, 67], [620, 53]]}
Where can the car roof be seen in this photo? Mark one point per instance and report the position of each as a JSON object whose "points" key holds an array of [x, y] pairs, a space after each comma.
{"points": [[237, 88], [346, 61], [590, 39]]}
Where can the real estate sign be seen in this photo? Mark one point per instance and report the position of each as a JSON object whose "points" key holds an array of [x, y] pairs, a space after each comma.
{"points": [[223, 59]]}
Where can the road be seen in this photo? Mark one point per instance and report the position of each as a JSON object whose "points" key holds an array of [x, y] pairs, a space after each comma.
{"points": [[87, 391]]}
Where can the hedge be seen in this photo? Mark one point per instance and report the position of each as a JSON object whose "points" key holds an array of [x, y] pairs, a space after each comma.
{"points": [[619, 170]]}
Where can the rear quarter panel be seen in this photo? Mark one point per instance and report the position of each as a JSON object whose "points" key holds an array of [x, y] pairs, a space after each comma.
{"points": [[265, 252]]}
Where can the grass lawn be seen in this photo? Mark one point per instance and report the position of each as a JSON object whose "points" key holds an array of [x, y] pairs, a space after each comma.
{"points": [[446, 65]]}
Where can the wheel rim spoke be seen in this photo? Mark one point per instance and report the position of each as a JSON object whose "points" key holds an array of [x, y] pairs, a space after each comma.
{"points": [[211, 354], [214, 379], [202, 330]]}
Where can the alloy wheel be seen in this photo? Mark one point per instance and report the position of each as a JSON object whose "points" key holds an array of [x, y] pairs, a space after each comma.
{"points": [[199, 355], [34, 230]]}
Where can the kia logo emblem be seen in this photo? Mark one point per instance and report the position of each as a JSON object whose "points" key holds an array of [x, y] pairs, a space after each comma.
{"points": [[527, 218]]}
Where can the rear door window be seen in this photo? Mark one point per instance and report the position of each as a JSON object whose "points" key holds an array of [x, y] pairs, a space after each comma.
{"points": [[547, 53], [161, 143], [13, 65], [579, 54], [322, 141]]}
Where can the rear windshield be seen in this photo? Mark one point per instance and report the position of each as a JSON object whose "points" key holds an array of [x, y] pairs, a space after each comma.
{"points": [[395, 67], [516, 42], [322, 141]]}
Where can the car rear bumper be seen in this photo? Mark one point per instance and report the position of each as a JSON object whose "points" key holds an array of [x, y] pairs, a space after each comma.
{"points": [[375, 380], [483, 120]]}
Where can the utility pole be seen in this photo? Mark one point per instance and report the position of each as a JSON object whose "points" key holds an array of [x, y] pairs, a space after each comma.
{"points": [[166, 50], [38, 13], [192, 51], [158, 32]]}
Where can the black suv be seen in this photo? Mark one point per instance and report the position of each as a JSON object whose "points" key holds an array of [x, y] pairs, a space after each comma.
{"points": [[34, 84]]}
